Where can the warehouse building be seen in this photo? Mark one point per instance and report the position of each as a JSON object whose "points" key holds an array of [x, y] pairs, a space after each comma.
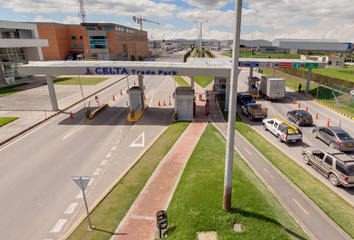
{"points": [[317, 45]]}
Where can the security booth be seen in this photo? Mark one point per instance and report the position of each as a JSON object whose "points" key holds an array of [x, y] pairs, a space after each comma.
{"points": [[220, 85], [136, 98], [253, 83], [184, 102]]}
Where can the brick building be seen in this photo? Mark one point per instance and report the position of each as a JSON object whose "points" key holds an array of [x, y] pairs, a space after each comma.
{"points": [[104, 41]]}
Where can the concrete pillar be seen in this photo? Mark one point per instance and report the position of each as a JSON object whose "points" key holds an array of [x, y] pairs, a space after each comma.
{"points": [[308, 80], [251, 72], [227, 94], [53, 97], [192, 82], [141, 87]]}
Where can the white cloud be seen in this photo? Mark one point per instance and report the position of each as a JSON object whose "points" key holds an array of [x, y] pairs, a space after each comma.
{"points": [[168, 26], [208, 4], [24, 16], [39, 18], [71, 20]]}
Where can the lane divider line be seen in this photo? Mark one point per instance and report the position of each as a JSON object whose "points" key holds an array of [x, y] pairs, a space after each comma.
{"points": [[300, 206], [268, 173], [247, 151]]}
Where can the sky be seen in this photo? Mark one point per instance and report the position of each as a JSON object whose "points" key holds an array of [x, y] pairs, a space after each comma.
{"points": [[180, 19]]}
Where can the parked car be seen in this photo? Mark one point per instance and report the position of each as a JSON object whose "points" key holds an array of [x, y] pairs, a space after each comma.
{"points": [[335, 137], [149, 59], [300, 117], [335, 165], [245, 98]]}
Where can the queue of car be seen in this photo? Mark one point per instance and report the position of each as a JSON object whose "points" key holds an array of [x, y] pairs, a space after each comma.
{"points": [[332, 163]]}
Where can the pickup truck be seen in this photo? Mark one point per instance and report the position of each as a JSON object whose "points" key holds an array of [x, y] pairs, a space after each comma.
{"points": [[255, 111], [245, 98], [284, 130]]}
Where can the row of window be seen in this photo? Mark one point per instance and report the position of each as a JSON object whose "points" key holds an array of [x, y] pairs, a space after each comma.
{"points": [[76, 46], [74, 37], [12, 54], [120, 29]]}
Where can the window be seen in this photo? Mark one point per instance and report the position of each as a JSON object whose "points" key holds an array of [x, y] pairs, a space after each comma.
{"points": [[81, 37], [337, 63], [329, 160], [73, 37], [82, 45], [74, 45], [329, 62], [107, 28], [94, 55], [90, 28], [341, 167]]}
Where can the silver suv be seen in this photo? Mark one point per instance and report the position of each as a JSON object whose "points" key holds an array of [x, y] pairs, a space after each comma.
{"points": [[332, 163]]}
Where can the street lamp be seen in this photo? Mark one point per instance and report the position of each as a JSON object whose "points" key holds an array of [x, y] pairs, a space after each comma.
{"points": [[252, 44], [200, 38]]}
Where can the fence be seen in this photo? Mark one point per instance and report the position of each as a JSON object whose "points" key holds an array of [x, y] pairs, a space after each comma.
{"points": [[337, 93]]}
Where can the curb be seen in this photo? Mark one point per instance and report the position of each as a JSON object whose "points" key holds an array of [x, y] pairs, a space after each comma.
{"points": [[97, 111], [325, 105], [55, 114]]}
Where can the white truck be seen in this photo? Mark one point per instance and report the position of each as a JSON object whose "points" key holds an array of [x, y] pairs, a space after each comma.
{"points": [[272, 87], [284, 130]]}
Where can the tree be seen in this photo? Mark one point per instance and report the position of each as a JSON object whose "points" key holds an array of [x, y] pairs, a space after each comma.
{"points": [[140, 58], [309, 52], [132, 57]]}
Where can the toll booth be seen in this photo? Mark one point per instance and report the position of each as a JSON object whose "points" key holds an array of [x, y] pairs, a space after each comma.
{"points": [[253, 83], [220, 85], [136, 97], [184, 99]]}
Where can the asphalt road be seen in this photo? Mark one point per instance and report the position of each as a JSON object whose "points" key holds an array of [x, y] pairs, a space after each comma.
{"points": [[39, 200]]}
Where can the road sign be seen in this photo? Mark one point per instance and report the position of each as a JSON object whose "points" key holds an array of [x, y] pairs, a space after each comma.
{"points": [[252, 64], [311, 65], [271, 65], [296, 65], [242, 64], [285, 65], [81, 182]]}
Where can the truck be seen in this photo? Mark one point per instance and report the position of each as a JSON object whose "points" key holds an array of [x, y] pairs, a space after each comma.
{"points": [[272, 87], [245, 98], [284, 130], [255, 111]]}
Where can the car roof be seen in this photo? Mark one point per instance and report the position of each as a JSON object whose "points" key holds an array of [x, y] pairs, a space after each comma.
{"points": [[302, 112], [336, 129]]}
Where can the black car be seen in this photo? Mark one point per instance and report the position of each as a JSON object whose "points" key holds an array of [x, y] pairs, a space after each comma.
{"points": [[300, 117]]}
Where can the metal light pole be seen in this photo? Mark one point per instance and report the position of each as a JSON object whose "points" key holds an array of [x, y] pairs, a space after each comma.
{"points": [[232, 109], [252, 45], [87, 114], [200, 38]]}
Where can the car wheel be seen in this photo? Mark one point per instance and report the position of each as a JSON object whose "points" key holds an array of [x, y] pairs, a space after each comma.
{"points": [[306, 159], [315, 134], [334, 180], [265, 128], [331, 145], [279, 138]]}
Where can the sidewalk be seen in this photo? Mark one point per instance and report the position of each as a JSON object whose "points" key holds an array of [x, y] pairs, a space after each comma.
{"points": [[140, 221]]}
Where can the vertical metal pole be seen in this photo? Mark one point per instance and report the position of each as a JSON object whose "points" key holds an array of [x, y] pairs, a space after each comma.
{"points": [[308, 80], [88, 214], [318, 88], [200, 41], [83, 98], [251, 44], [232, 109]]}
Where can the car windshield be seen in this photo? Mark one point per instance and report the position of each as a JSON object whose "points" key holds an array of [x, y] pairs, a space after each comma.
{"points": [[247, 98], [344, 136]]}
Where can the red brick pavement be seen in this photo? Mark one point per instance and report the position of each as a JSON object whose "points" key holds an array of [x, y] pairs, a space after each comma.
{"points": [[140, 222]]}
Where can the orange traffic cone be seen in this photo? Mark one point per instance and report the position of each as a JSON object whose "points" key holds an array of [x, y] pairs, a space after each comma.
{"points": [[298, 105], [293, 100], [169, 100], [164, 103], [307, 108], [121, 92], [316, 115], [327, 123], [159, 103], [113, 98], [144, 97], [71, 115], [340, 123]]}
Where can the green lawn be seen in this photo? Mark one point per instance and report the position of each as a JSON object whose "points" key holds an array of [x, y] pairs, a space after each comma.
{"points": [[110, 212], [203, 81], [75, 81], [265, 55], [347, 72], [4, 91], [196, 205], [6, 120], [182, 82], [334, 206]]}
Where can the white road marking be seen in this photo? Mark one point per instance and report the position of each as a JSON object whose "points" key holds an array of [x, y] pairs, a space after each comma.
{"points": [[91, 181], [77, 128], [104, 162], [109, 155], [58, 225], [142, 144], [79, 196], [97, 171], [114, 148], [71, 208]]}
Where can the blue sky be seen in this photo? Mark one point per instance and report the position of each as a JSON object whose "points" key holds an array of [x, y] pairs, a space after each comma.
{"points": [[262, 19]]}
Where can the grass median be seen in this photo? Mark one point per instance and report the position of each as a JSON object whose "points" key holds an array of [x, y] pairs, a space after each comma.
{"points": [[110, 212], [182, 82], [196, 205], [334, 206], [75, 81], [6, 120]]}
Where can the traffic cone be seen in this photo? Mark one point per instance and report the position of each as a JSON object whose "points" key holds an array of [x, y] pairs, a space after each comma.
{"points": [[169, 100], [340, 123], [144, 97], [298, 105], [113, 98], [159, 103], [316, 115], [327, 123], [121, 92], [307, 108], [164, 103], [293, 100], [71, 115]]}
